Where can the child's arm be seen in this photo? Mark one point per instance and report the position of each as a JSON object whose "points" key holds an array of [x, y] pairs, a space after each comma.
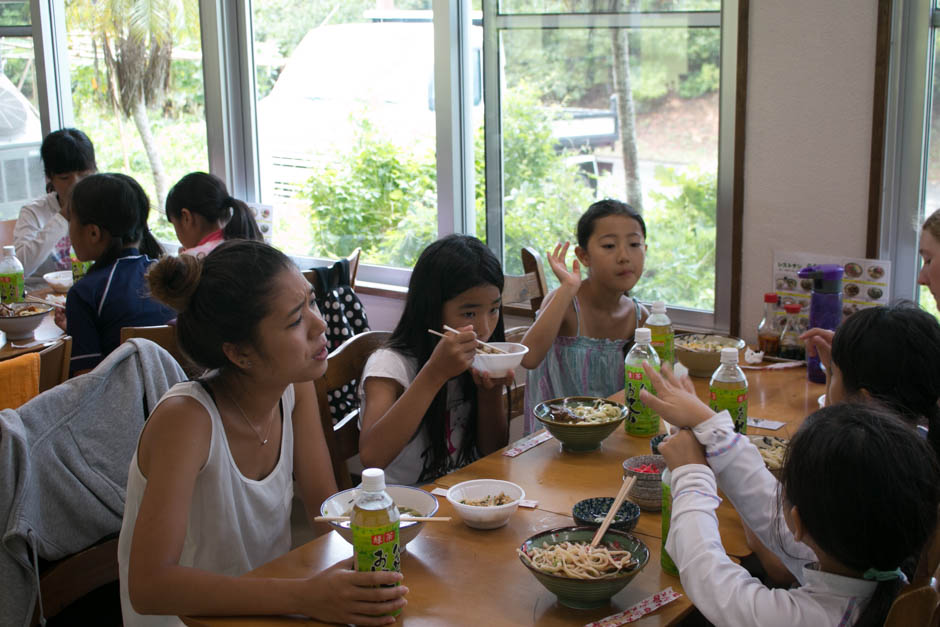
{"points": [[492, 421], [172, 450], [313, 470], [392, 413], [545, 329]]}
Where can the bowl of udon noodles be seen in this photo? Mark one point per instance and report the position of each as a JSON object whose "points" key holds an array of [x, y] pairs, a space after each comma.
{"points": [[19, 320], [485, 503], [581, 577], [701, 352], [410, 501], [580, 423]]}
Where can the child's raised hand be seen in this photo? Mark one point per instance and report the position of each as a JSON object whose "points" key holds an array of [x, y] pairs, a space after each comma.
{"points": [[675, 398], [570, 278], [341, 595], [453, 353], [682, 448]]}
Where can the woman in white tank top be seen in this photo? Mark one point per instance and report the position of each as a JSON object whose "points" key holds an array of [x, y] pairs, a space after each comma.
{"points": [[210, 486]]}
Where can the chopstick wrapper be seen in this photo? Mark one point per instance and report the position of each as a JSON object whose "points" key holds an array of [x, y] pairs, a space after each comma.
{"points": [[641, 609], [523, 503], [521, 446]]}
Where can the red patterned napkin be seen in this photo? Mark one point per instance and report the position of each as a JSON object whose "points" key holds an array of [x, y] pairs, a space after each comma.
{"points": [[644, 607]]}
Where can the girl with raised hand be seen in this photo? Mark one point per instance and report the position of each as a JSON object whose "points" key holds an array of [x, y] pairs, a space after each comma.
{"points": [[425, 410], [108, 225], [579, 339], [204, 215], [209, 489], [844, 527]]}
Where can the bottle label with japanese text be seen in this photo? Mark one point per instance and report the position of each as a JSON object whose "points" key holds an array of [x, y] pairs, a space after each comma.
{"points": [[642, 420], [377, 548], [12, 288], [735, 401]]}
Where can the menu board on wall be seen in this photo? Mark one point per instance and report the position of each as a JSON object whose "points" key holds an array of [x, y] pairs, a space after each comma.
{"points": [[864, 284], [264, 216]]}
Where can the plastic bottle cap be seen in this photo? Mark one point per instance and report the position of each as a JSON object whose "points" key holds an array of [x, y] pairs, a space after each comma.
{"points": [[642, 336], [770, 297], [9, 251], [659, 307], [729, 355], [373, 480], [792, 307]]}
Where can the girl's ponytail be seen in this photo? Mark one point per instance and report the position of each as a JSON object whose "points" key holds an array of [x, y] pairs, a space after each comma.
{"points": [[242, 224], [879, 604]]}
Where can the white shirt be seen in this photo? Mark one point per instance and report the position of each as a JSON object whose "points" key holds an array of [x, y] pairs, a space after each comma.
{"points": [[39, 227], [235, 524], [406, 468], [723, 591]]}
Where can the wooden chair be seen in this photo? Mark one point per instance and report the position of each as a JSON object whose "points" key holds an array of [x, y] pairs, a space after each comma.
{"points": [[54, 364], [343, 365], [352, 258], [6, 232], [63, 582], [165, 336], [529, 288]]}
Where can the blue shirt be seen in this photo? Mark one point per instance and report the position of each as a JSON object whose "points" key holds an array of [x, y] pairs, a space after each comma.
{"points": [[104, 301]]}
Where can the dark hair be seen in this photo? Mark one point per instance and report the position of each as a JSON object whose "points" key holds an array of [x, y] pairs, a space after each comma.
{"points": [[220, 297], [602, 209], [865, 486], [116, 203], [67, 150], [447, 268], [893, 352], [206, 195]]}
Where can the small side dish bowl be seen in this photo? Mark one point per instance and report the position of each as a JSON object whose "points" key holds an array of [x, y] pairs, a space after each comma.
{"points": [[59, 281], [701, 352], [591, 513], [579, 436], [485, 516], [404, 496], [772, 450], [655, 441], [647, 492], [28, 316], [585, 593], [498, 364]]}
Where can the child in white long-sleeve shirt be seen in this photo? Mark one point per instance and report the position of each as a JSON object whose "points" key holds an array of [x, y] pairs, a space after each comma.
{"points": [[856, 502]]}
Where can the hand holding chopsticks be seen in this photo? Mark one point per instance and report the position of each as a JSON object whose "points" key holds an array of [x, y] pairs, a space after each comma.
{"points": [[624, 489], [489, 347]]}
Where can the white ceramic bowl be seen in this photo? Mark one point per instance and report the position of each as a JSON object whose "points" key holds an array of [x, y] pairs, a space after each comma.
{"points": [[485, 517], [22, 327], [403, 495], [496, 364], [60, 281]]}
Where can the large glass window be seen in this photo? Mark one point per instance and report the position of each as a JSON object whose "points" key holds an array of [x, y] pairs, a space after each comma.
{"points": [[932, 186], [613, 104], [137, 91], [346, 126]]}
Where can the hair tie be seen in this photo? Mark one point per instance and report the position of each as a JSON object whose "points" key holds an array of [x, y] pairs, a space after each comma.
{"points": [[873, 574], [228, 202]]}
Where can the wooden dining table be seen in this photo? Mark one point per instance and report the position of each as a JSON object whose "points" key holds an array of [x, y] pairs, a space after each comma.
{"points": [[461, 576]]}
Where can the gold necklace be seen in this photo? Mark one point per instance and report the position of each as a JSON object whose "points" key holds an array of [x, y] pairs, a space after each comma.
{"points": [[262, 439]]}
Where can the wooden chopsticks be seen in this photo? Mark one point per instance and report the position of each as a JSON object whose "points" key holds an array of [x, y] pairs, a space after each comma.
{"points": [[36, 299], [403, 519], [479, 342], [624, 489]]}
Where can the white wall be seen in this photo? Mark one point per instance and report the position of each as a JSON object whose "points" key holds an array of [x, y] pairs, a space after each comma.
{"points": [[810, 78], [811, 68]]}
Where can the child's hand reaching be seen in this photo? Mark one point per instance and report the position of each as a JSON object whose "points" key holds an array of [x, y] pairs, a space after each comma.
{"points": [[675, 398], [59, 317], [568, 278], [682, 448], [819, 343], [453, 353]]}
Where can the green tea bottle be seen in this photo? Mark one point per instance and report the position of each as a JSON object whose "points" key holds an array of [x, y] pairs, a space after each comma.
{"points": [[661, 332], [374, 524], [728, 389], [641, 421], [12, 287], [669, 567]]}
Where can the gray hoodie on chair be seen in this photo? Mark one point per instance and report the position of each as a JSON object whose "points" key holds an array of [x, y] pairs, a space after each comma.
{"points": [[63, 465]]}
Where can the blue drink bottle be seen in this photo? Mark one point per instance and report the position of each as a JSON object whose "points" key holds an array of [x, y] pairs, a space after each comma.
{"points": [[825, 307]]}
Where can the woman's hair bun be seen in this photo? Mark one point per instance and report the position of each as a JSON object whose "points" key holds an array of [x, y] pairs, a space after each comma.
{"points": [[173, 280]]}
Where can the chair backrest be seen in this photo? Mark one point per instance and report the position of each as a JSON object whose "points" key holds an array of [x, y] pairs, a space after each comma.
{"points": [[6, 232], [919, 602], [529, 288], [54, 364], [165, 336], [352, 258], [68, 580], [344, 365]]}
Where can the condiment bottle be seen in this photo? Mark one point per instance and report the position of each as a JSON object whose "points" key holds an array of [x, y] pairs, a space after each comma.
{"points": [[790, 345], [825, 307], [12, 286], [374, 523], [662, 334], [728, 389], [768, 337], [641, 421], [668, 566]]}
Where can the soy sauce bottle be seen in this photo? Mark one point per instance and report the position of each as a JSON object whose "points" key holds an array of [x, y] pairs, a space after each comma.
{"points": [[375, 526], [790, 345]]}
